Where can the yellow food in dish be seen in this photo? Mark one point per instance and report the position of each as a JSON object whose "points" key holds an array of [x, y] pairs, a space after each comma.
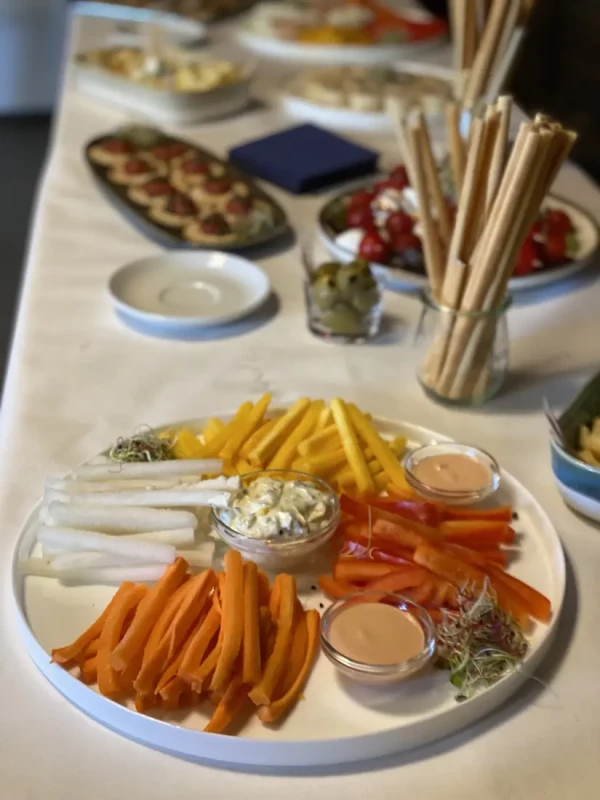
{"points": [[174, 73], [335, 442], [589, 443]]}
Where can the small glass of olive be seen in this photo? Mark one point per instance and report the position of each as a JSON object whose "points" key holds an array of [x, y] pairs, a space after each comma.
{"points": [[343, 301]]}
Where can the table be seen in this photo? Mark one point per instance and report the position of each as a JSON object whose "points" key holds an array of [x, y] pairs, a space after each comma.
{"points": [[78, 379]]}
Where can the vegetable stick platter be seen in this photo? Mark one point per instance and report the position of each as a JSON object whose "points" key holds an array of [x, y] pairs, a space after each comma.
{"points": [[375, 722]]}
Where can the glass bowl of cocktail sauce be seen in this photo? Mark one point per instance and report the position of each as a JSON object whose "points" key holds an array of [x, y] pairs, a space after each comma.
{"points": [[377, 637], [452, 473]]}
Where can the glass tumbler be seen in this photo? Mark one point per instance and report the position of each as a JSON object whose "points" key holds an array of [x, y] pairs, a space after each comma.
{"points": [[462, 355]]}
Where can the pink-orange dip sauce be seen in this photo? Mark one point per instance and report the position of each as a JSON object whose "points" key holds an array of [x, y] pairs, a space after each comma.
{"points": [[452, 472], [375, 633]]}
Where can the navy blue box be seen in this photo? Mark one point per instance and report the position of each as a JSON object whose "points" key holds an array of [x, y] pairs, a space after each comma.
{"points": [[304, 158]]}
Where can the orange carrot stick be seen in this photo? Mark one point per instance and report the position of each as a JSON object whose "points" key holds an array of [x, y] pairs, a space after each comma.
{"points": [[108, 680], [147, 614], [297, 656], [275, 596], [264, 588], [91, 649], [89, 670], [232, 620], [199, 643], [69, 653], [192, 604], [170, 685], [274, 667], [251, 669], [272, 712], [205, 670], [230, 705]]}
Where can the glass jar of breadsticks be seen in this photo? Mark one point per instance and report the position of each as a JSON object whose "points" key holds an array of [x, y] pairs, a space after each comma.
{"points": [[461, 374], [470, 258]]}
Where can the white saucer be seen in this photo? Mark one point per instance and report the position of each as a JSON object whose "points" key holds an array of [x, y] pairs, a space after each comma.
{"points": [[183, 292]]}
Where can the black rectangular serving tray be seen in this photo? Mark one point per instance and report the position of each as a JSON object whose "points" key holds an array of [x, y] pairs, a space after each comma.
{"points": [[164, 235]]}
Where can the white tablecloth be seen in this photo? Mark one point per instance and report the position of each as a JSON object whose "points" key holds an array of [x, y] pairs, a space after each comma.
{"points": [[78, 379]]}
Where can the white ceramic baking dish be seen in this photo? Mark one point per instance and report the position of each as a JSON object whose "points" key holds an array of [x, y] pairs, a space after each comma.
{"points": [[166, 107]]}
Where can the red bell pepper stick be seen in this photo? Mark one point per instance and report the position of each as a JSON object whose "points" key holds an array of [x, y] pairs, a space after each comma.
{"points": [[538, 604], [499, 514], [352, 570], [414, 509], [333, 588]]}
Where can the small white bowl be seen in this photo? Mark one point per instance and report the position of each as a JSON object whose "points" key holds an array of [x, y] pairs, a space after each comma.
{"points": [[182, 293]]}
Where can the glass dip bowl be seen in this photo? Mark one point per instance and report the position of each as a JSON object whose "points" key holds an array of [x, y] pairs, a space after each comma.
{"points": [[463, 497], [378, 674], [280, 551]]}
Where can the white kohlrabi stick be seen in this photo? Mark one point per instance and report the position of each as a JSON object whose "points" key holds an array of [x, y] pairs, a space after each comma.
{"points": [[117, 520], [154, 469], [70, 486], [183, 482], [180, 537], [136, 574], [153, 499], [66, 562], [36, 566], [76, 541]]}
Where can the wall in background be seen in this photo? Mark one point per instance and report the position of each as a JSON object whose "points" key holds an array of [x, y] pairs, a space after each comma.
{"points": [[31, 45]]}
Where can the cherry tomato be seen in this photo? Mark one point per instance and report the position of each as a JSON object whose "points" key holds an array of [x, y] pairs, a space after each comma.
{"points": [[404, 241], [399, 222], [527, 257], [400, 177], [373, 248], [359, 217], [558, 222], [360, 199], [555, 248]]}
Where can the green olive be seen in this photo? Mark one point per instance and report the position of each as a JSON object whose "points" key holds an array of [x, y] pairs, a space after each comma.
{"points": [[324, 292], [327, 270], [361, 264], [343, 321], [352, 281], [367, 300]]}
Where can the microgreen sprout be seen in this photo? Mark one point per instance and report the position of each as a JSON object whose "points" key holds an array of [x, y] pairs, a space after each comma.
{"points": [[478, 643], [142, 446]]}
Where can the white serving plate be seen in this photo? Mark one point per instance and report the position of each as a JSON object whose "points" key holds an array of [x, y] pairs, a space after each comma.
{"points": [[397, 279], [282, 50], [347, 119], [184, 292], [337, 722], [177, 29], [163, 106]]}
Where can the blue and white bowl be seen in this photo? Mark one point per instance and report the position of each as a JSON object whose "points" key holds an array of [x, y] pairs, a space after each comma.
{"points": [[578, 482]]}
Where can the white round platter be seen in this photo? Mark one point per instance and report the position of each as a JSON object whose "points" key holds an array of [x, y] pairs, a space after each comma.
{"points": [[337, 118], [182, 292], [337, 722], [397, 279], [283, 50]]}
